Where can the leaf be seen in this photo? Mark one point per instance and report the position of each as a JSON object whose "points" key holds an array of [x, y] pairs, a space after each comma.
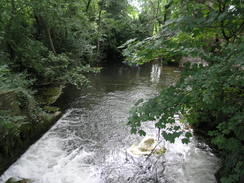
{"points": [[142, 133], [185, 140], [188, 135], [133, 131]]}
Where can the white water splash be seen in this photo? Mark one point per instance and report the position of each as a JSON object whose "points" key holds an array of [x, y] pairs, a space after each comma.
{"points": [[156, 72], [47, 161]]}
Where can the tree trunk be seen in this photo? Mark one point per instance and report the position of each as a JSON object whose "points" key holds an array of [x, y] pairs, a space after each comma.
{"points": [[156, 16], [88, 5], [50, 40], [10, 43], [166, 8], [41, 22], [98, 29]]}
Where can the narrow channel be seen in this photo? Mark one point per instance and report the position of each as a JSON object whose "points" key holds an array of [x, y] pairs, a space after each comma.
{"points": [[89, 143]]}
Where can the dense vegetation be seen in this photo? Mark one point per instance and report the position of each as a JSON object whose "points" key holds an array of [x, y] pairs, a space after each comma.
{"points": [[209, 98], [43, 46], [47, 44]]}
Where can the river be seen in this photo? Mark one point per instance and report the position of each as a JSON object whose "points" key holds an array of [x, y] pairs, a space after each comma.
{"points": [[89, 143]]}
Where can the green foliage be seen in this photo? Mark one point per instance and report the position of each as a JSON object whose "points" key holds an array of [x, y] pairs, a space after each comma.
{"points": [[211, 100], [115, 26], [208, 98], [47, 48], [51, 43], [10, 129], [60, 41], [19, 110], [10, 81], [151, 49], [77, 77]]}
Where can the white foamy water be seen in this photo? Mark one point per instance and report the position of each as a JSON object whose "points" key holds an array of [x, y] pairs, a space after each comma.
{"points": [[48, 161]]}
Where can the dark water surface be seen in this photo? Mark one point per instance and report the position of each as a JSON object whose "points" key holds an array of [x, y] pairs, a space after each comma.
{"points": [[89, 143]]}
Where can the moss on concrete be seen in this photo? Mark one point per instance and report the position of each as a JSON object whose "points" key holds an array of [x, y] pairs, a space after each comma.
{"points": [[49, 95]]}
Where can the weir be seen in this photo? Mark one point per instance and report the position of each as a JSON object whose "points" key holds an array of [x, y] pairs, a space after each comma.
{"points": [[89, 143]]}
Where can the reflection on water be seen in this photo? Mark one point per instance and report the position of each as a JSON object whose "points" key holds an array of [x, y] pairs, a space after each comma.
{"points": [[156, 72], [88, 144]]}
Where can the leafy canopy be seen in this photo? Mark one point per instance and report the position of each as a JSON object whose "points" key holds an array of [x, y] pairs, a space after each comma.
{"points": [[209, 98]]}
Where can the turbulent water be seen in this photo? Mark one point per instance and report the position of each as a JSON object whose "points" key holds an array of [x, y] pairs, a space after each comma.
{"points": [[89, 143]]}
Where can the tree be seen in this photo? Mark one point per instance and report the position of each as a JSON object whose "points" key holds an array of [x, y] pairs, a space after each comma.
{"points": [[209, 98]]}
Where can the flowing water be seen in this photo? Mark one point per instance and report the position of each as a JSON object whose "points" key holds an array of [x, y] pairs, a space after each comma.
{"points": [[89, 143]]}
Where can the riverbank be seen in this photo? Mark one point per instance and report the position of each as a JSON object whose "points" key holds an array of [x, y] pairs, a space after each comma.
{"points": [[23, 121]]}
